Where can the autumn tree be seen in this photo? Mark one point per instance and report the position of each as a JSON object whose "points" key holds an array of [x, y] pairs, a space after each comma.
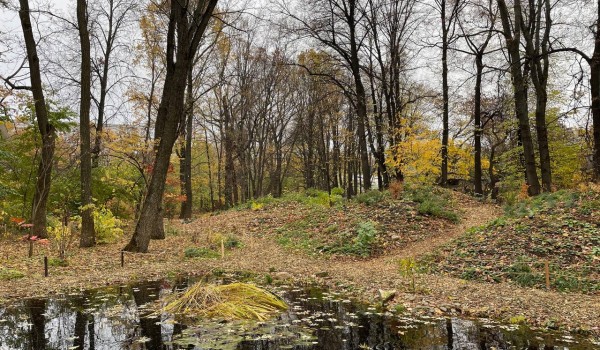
{"points": [[187, 25]]}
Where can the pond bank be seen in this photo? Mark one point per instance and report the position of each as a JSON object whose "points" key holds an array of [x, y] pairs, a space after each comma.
{"points": [[260, 254]]}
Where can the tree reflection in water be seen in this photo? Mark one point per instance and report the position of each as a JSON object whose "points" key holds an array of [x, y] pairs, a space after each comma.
{"points": [[121, 318]]}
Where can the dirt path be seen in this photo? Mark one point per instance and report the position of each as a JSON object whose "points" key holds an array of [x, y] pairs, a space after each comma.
{"points": [[434, 294]]}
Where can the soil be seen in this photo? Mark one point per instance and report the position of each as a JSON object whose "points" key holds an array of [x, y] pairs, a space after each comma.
{"points": [[259, 253]]}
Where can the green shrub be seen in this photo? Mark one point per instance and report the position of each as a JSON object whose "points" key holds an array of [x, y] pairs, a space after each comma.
{"points": [[10, 274], [232, 242], [370, 197], [337, 191], [521, 273], [366, 236], [432, 201], [194, 252]]}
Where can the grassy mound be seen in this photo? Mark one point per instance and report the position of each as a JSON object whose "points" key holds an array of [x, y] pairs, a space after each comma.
{"points": [[368, 225], [561, 228], [236, 301]]}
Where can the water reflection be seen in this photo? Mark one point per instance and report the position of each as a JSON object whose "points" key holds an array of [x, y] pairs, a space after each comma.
{"points": [[121, 318]]}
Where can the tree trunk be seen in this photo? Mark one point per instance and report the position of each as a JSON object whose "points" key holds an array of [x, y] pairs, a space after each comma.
{"points": [[520, 92], [361, 111], [186, 161], [230, 183], [88, 234], [595, 92], [445, 97], [47, 130], [477, 117], [537, 52]]}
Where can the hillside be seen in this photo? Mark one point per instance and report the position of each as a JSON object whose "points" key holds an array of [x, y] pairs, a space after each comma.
{"points": [[561, 229]]}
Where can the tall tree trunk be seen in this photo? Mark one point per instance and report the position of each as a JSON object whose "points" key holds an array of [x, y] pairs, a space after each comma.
{"points": [[47, 130], [186, 168], [537, 52], [477, 117], [361, 109], [88, 234], [210, 179], [595, 92], [445, 97], [520, 92], [230, 183], [361, 98]]}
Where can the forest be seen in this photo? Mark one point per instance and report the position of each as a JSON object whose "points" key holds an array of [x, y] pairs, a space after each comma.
{"points": [[336, 129], [494, 98]]}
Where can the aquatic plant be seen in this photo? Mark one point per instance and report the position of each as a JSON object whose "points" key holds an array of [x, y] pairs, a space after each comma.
{"points": [[236, 301]]}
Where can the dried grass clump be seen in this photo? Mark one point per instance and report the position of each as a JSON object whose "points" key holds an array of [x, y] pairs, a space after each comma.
{"points": [[236, 301]]}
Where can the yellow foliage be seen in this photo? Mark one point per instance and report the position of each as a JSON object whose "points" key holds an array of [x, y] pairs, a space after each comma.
{"points": [[418, 156]]}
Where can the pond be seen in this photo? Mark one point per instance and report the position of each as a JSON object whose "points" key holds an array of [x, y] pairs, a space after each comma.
{"points": [[122, 317]]}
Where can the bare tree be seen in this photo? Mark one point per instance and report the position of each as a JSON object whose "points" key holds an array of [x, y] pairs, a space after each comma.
{"points": [[478, 49], [88, 236], [339, 25], [512, 35], [45, 127]]}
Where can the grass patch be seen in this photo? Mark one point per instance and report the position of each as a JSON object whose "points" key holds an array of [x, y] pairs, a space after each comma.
{"points": [[58, 262], [10, 274], [195, 252], [361, 242], [310, 197]]}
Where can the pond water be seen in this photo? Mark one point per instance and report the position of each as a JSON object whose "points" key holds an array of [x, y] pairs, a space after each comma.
{"points": [[121, 318]]}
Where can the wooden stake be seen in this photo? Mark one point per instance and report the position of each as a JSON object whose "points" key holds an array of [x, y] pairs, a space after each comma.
{"points": [[547, 272], [122, 258], [222, 249], [45, 266]]}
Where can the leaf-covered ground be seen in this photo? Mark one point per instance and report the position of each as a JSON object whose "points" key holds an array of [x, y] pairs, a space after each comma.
{"points": [[561, 229], [342, 229], [251, 244]]}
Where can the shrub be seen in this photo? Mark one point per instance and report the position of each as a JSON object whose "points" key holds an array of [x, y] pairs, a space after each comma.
{"points": [[370, 197], [366, 236], [396, 188], [337, 191], [232, 242], [432, 201], [107, 226]]}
